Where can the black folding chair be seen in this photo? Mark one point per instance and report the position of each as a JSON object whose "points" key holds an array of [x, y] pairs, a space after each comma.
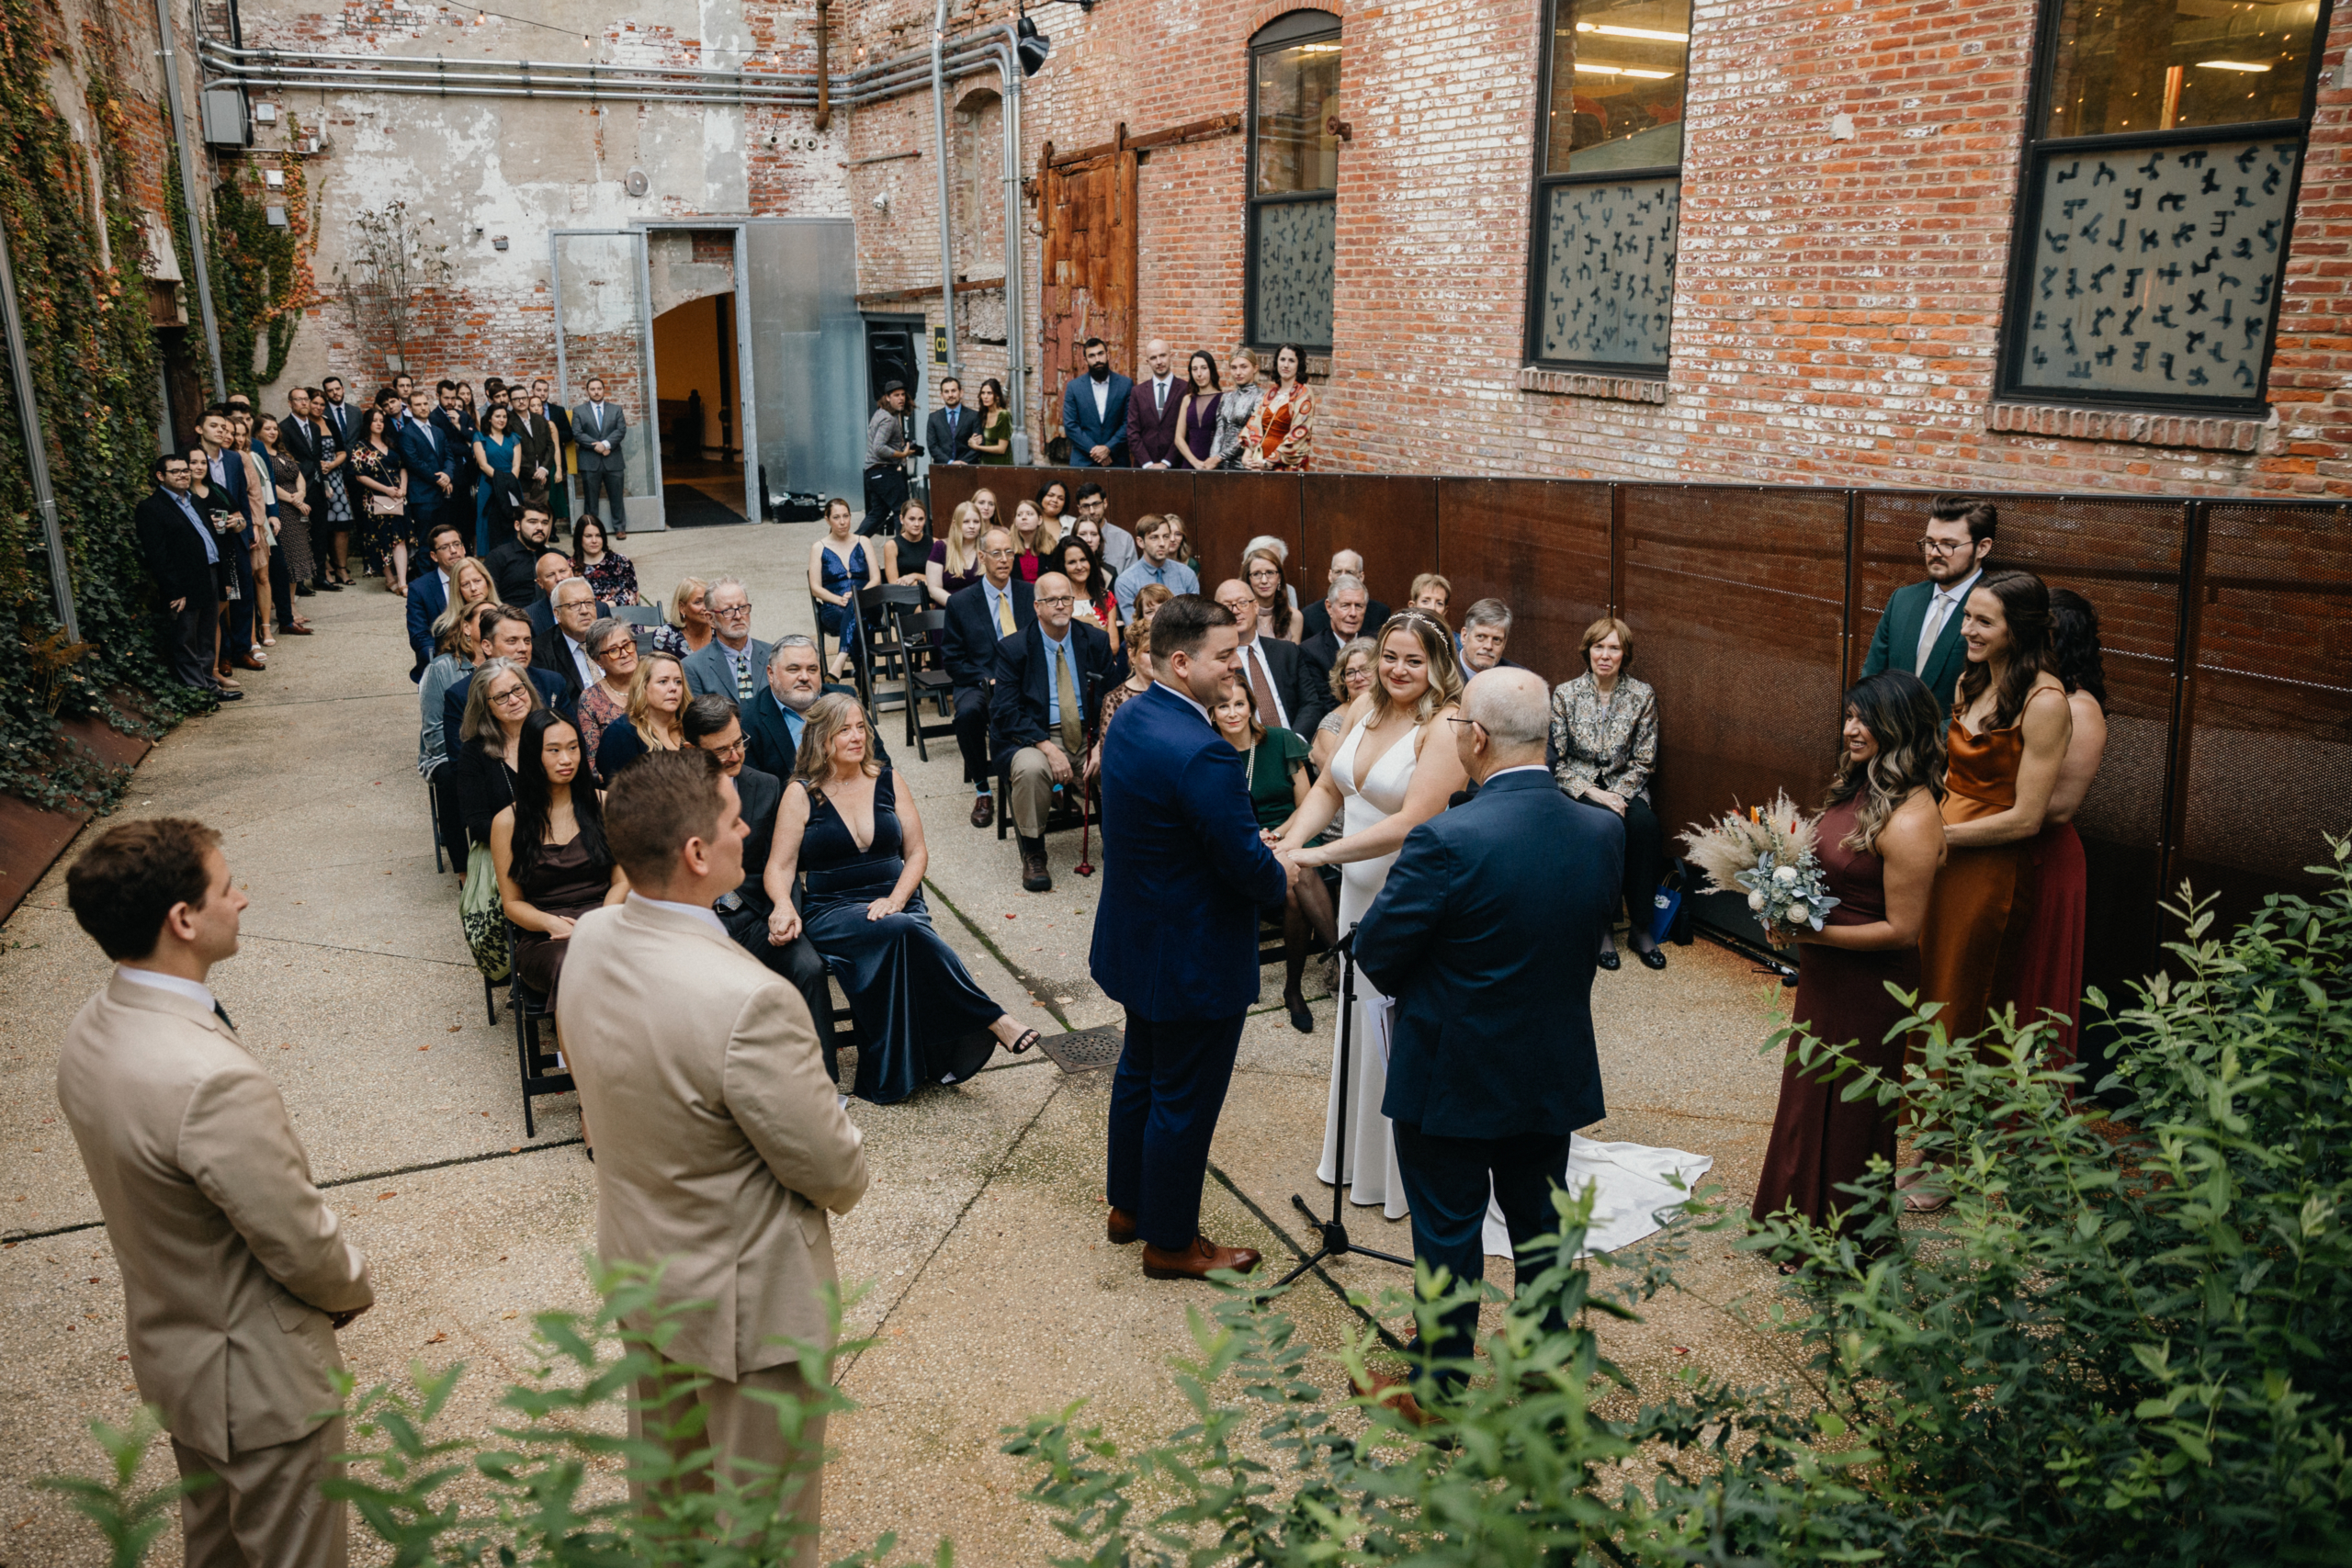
{"points": [[539, 1070], [882, 652], [924, 630], [433, 803]]}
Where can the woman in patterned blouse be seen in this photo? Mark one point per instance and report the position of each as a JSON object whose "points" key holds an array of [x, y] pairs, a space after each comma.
{"points": [[1604, 748], [1280, 435]]}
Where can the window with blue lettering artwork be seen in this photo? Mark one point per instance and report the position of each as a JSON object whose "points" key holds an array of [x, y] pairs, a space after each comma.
{"points": [[1607, 185], [2157, 201]]}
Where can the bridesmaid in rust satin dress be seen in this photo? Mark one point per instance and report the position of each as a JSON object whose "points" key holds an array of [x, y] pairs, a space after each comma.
{"points": [[1885, 793], [2049, 975], [2009, 731]]}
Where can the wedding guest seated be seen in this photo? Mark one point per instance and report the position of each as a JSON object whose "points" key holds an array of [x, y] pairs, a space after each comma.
{"points": [[500, 697], [906, 555], [858, 838], [649, 720], [980, 617], [1117, 546], [1031, 539], [1430, 593], [1269, 667], [458, 656], [687, 629], [713, 724], [1158, 536], [1049, 676], [1603, 751], [1275, 760], [430, 592], [1139, 677], [516, 563], [612, 574], [955, 562], [1344, 563], [555, 570], [613, 648], [1344, 609], [1351, 677], [772, 719], [1882, 840], [839, 568], [1096, 605], [1265, 561], [548, 848], [1486, 633], [733, 662], [501, 631], [563, 652]]}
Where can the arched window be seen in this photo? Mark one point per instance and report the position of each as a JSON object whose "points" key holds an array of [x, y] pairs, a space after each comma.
{"points": [[1293, 161], [1607, 185]]}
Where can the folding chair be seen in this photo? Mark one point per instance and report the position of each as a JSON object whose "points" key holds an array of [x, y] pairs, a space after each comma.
{"points": [[882, 652], [539, 1071], [433, 803], [919, 631]]}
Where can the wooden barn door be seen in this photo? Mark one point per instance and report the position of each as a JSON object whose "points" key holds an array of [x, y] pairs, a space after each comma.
{"points": [[1089, 267]]}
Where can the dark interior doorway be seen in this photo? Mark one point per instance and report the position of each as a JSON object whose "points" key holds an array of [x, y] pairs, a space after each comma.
{"points": [[697, 381]]}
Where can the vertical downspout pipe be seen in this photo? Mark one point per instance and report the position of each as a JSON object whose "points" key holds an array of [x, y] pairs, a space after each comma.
{"points": [[946, 223], [35, 450], [1016, 356], [189, 196], [824, 73]]}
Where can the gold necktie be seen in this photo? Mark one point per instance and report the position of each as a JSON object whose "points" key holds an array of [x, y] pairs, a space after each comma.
{"points": [[1073, 730], [1004, 611]]}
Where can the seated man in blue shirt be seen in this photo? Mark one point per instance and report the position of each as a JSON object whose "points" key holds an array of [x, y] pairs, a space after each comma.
{"points": [[1049, 677], [1157, 539]]}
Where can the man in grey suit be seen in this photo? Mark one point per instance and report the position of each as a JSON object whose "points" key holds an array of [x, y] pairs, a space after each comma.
{"points": [[235, 1271], [721, 1146], [733, 664], [1920, 630], [600, 428]]}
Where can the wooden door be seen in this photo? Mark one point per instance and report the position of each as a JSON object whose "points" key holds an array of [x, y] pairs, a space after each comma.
{"points": [[1089, 269]]}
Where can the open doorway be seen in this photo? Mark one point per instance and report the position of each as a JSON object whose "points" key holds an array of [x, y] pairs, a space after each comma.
{"points": [[698, 410]]}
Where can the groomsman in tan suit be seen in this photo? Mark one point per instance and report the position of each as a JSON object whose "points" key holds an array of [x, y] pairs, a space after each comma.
{"points": [[720, 1141], [235, 1268]]}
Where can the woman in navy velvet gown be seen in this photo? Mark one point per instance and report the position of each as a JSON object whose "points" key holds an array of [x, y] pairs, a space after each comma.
{"points": [[846, 829]]}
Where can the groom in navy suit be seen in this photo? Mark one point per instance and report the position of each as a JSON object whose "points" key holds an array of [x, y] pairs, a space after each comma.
{"points": [[1486, 934], [1184, 875]]}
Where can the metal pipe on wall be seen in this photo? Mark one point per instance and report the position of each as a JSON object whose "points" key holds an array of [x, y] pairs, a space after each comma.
{"points": [[946, 219], [188, 197], [35, 450]]}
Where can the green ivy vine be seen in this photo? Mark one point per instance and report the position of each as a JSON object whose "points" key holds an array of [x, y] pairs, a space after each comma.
{"points": [[256, 287], [93, 358]]}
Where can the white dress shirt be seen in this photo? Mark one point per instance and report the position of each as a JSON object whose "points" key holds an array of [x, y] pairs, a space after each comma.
{"points": [[1186, 698], [1160, 385], [589, 673], [1940, 610], [699, 912], [194, 990], [1101, 396], [1254, 655]]}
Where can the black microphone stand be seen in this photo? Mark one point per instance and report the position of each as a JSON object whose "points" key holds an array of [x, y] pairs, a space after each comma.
{"points": [[1334, 1230]]}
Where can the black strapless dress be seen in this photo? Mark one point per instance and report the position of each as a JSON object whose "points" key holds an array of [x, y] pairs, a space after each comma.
{"points": [[921, 1017]]}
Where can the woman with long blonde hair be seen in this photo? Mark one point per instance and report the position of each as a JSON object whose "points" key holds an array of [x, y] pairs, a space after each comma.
{"points": [[657, 697], [1029, 538], [855, 841], [955, 558], [1385, 779], [688, 627]]}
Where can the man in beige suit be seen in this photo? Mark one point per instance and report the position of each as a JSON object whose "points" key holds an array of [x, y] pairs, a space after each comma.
{"points": [[235, 1268], [720, 1141]]}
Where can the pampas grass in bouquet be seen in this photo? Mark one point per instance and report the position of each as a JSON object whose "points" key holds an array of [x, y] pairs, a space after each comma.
{"points": [[1769, 856]]}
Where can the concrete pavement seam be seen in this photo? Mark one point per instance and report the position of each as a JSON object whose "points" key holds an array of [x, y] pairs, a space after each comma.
{"points": [[1300, 1253], [1039, 992]]}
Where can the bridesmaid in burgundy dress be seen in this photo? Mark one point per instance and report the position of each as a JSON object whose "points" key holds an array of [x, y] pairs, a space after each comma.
{"points": [[1881, 839], [2049, 970]]}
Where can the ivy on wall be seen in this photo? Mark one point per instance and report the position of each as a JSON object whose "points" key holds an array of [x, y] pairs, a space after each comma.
{"points": [[92, 359]]}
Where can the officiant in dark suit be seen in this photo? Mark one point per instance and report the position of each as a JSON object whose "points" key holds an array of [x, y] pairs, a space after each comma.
{"points": [[1920, 630], [948, 431], [1185, 876], [1485, 934]]}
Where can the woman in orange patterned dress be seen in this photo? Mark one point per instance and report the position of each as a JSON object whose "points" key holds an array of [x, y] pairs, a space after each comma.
{"points": [[1280, 436]]}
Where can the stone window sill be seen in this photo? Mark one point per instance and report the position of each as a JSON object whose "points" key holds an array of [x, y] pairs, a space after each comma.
{"points": [[1577, 384], [2203, 433]]}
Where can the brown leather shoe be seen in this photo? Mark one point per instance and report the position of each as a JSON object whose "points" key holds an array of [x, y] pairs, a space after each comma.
{"points": [[1120, 1228], [247, 661], [1036, 876], [1196, 1261], [1401, 1401], [983, 810]]}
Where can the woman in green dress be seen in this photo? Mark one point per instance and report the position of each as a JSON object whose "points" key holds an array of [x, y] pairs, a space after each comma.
{"points": [[993, 443], [1275, 761]]}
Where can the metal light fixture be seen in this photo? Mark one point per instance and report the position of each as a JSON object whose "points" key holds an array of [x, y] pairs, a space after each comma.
{"points": [[1031, 45]]}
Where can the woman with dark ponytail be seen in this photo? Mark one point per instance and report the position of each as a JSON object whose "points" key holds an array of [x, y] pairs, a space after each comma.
{"points": [[1881, 839], [2010, 728], [2050, 975]]}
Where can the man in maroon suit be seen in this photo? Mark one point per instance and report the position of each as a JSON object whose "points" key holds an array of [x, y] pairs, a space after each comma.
{"points": [[1154, 408]]}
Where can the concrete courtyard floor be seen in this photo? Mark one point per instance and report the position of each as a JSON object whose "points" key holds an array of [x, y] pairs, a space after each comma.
{"points": [[992, 1293]]}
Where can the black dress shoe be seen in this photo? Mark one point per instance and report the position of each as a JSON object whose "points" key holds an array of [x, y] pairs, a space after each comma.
{"points": [[1608, 960], [1652, 958], [329, 585], [1301, 1017], [1036, 875]]}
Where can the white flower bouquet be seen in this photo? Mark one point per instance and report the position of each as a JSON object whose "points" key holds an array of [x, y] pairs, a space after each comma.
{"points": [[1769, 856]]}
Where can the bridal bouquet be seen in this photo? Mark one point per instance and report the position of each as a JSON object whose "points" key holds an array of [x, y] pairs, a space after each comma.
{"points": [[1769, 856]]}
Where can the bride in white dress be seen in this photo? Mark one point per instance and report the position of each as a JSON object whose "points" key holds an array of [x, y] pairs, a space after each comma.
{"points": [[1394, 768]]}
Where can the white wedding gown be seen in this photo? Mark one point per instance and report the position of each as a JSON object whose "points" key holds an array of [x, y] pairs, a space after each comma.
{"points": [[1633, 1181], [1372, 1148]]}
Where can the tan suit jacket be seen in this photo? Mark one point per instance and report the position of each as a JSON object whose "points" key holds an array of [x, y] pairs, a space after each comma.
{"points": [[231, 1258], [720, 1141]]}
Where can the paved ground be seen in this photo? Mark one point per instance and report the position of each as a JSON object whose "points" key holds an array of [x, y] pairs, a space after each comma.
{"points": [[992, 1293]]}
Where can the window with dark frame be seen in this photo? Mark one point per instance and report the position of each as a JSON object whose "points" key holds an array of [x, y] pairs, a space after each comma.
{"points": [[1607, 185], [2156, 199], [1294, 163]]}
